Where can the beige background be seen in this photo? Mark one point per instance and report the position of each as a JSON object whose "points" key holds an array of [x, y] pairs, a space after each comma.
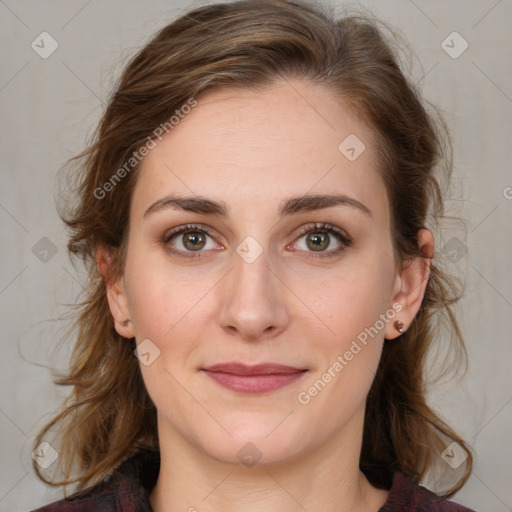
{"points": [[49, 107]]}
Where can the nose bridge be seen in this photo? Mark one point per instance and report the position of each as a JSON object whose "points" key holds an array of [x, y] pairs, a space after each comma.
{"points": [[252, 303], [253, 275]]}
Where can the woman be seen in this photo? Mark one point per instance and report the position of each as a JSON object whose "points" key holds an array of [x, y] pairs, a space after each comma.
{"points": [[263, 287]]}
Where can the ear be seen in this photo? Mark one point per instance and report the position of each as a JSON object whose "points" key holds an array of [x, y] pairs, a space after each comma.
{"points": [[116, 294], [411, 284]]}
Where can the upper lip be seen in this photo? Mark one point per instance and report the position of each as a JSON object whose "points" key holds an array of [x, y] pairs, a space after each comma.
{"points": [[258, 369]]}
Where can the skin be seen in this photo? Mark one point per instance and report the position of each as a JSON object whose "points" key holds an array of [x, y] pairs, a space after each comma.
{"points": [[251, 151]]}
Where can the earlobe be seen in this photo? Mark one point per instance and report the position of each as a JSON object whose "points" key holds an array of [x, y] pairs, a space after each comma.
{"points": [[119, 307], [116, 294], [413, 281]]}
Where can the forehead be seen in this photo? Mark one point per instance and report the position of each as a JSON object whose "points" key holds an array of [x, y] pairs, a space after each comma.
{"points": [[287, 139]]}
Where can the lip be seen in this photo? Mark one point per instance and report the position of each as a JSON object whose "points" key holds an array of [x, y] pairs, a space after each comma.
{"points": [[253, 379]]}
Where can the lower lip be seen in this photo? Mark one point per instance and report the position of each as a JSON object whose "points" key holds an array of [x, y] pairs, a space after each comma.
{"points": [[254, 384]]}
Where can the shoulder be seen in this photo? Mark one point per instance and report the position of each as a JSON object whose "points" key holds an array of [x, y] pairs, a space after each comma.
{"points": [[101, 498], [406, 496], [127, 489]]}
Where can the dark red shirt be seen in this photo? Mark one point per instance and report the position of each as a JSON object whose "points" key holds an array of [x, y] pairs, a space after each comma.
{"points": [[129, 487]]}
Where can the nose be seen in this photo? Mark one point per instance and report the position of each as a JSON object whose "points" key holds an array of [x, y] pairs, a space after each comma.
{"points": [[252, 304]]}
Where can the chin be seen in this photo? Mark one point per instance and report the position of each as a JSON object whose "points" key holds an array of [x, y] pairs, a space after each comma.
{"points": [[256, 440]]}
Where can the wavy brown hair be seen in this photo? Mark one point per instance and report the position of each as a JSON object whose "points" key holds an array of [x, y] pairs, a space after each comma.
{"points": [[251, 44]]}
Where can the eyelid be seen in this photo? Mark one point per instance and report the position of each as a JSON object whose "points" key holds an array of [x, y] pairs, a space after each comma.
{"points": [[175, 232], [323, 226], [345, 239], [189, 227]]}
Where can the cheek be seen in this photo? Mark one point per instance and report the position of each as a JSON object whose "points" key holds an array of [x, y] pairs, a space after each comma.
{"points": [[160, 297], [151, 307], [351, 299], [166, 321], [355, 305], [350, 357], [169, 309]]}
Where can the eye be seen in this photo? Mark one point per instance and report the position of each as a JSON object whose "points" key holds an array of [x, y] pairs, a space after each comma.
{"points": [[189, 239], [318, 237]]}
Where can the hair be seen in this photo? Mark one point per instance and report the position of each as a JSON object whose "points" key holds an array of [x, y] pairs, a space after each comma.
{"points": [[252, 44]]}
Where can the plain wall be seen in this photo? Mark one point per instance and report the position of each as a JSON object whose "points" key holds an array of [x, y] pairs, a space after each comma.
{"points": [[50, 106]]}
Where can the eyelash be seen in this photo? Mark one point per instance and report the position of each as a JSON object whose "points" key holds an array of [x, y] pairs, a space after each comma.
{"points": [[344, 239]]}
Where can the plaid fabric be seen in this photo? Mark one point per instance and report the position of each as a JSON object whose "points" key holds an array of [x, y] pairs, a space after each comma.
{"points": [[129, 487]]}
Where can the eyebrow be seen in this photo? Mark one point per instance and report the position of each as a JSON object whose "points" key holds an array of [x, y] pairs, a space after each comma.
{"points": [[293, 205]]}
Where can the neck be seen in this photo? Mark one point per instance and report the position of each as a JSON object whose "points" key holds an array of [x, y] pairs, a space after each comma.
{"points": [[327, 479]]}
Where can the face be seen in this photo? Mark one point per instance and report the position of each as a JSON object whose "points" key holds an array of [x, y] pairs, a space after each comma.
{"points": [[234, 258]]}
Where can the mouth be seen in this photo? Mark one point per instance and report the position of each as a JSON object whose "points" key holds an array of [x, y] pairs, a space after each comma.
{"points": [[256, 379]]}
